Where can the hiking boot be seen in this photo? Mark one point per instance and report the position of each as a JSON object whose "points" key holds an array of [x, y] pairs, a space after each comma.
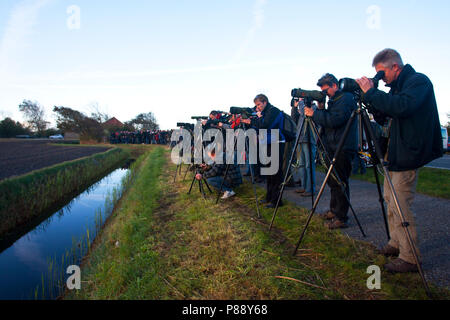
{"points": [[228, 194], [336, 224], [300, 190], [389, 251], [400, 266], [328, 215]]}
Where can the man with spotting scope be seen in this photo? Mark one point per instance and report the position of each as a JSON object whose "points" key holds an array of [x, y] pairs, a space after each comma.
{"points": [[414, 141]]}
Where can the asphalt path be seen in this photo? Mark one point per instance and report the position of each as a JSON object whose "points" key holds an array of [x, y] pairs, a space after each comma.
{"points": [[441, 163], [432, 219]]}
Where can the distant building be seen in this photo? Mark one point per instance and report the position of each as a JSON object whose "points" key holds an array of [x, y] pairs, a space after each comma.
{"points": [[71, 136], [112, 123]]}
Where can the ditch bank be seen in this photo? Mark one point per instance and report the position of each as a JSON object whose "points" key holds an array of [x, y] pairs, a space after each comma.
{"points": [[28, 196]]}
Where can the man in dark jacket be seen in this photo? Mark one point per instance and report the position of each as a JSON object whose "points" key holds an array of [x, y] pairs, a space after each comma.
{"points": [[414, 140], [334, 120], [271, 118]]}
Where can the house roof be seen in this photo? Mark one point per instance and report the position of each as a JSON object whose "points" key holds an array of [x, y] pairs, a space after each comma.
{"points": [[113, 122]]}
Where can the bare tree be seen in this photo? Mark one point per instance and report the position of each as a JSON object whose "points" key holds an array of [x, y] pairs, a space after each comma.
{"points": [[97, 113], [34, 114]]}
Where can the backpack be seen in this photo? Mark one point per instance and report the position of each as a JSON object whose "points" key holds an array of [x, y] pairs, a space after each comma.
{"points": [[289, 128]]}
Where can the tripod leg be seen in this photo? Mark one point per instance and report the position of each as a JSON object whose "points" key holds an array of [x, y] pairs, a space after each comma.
{"points": [[381, 199], [297, 139], [176, 172], [221, 185], [192, 184], [375, 172], [202, 190], [254, 191], [335, 176], [311, 164], [338, 151], [207, 185], [313, 210], [187, 170]]}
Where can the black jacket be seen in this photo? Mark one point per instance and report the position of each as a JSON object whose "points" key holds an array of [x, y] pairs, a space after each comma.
{"points": [[415, 134], [334, 120], [271, 119]]}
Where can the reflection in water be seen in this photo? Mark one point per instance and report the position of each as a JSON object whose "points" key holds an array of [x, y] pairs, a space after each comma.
{"points": [[30, 254], [43, 253]]}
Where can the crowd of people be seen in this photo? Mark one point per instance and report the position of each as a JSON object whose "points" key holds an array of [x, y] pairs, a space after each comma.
{"points": [[141, 137], [408, 118]]}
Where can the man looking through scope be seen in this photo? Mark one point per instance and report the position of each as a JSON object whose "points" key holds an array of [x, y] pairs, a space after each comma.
{"points": [[270, 118], [334, 120], [414, 141]]}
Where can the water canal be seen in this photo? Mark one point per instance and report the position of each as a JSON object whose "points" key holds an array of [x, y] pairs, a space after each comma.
{"points": [[32, 264]]}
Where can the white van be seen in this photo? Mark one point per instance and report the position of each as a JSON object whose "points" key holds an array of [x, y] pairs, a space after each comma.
{"points": [[444, 138]]}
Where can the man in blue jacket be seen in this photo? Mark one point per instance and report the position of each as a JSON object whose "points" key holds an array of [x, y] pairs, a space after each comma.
{"points": [[414, 141], [271, 118], [334, 120]]}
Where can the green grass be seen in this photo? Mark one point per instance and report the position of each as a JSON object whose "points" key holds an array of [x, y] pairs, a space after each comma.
{"points": [[431, 182], [27, 196], [164, 244]]}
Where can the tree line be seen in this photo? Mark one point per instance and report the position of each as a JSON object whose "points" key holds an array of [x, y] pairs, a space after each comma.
{"points": [[89, 127]]}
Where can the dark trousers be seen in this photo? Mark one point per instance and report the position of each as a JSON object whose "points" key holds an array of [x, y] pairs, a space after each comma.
{"points": [[274, 181], [338, 203]]}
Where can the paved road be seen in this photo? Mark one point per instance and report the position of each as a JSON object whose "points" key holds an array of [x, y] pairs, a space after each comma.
{"points": [[432, 218], [441, 163]]}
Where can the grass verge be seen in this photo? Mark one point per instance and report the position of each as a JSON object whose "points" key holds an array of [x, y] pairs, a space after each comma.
{"points": [[27, 196], [163, 244], [431, 182]]}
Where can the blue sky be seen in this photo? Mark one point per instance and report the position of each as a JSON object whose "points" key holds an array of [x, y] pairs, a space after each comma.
{"points": [[183, 58]]}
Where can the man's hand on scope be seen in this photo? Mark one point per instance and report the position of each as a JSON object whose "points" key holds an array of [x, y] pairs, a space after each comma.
{"points": [[309, 112], [365, 84], [198, 176], [246, 121]]}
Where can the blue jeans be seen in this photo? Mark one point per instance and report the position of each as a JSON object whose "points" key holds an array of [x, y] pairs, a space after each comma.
{"points": [[308, 167], [216, 182]]}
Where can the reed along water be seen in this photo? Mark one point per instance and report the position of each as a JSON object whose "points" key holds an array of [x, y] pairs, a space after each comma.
{"points": [[33, 264]]}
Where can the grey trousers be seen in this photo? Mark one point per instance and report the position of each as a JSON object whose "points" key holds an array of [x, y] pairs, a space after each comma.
{"points": [[405, 187]]}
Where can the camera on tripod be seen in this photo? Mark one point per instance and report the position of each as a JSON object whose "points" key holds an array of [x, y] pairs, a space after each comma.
{"points": [[187, 126], [245, 112], [350, 85], [200, 118], [308, 96]]}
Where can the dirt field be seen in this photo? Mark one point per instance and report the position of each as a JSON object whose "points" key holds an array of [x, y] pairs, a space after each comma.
{"points": [[18, 157]]}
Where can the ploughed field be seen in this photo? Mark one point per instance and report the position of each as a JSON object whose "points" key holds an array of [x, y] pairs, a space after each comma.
{"points": [[18, 157]]}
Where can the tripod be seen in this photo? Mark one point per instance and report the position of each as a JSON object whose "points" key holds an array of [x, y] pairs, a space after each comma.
{"points": [[374, 147], [177, 172], [241, 126], [307, 126], [200, 183]]}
